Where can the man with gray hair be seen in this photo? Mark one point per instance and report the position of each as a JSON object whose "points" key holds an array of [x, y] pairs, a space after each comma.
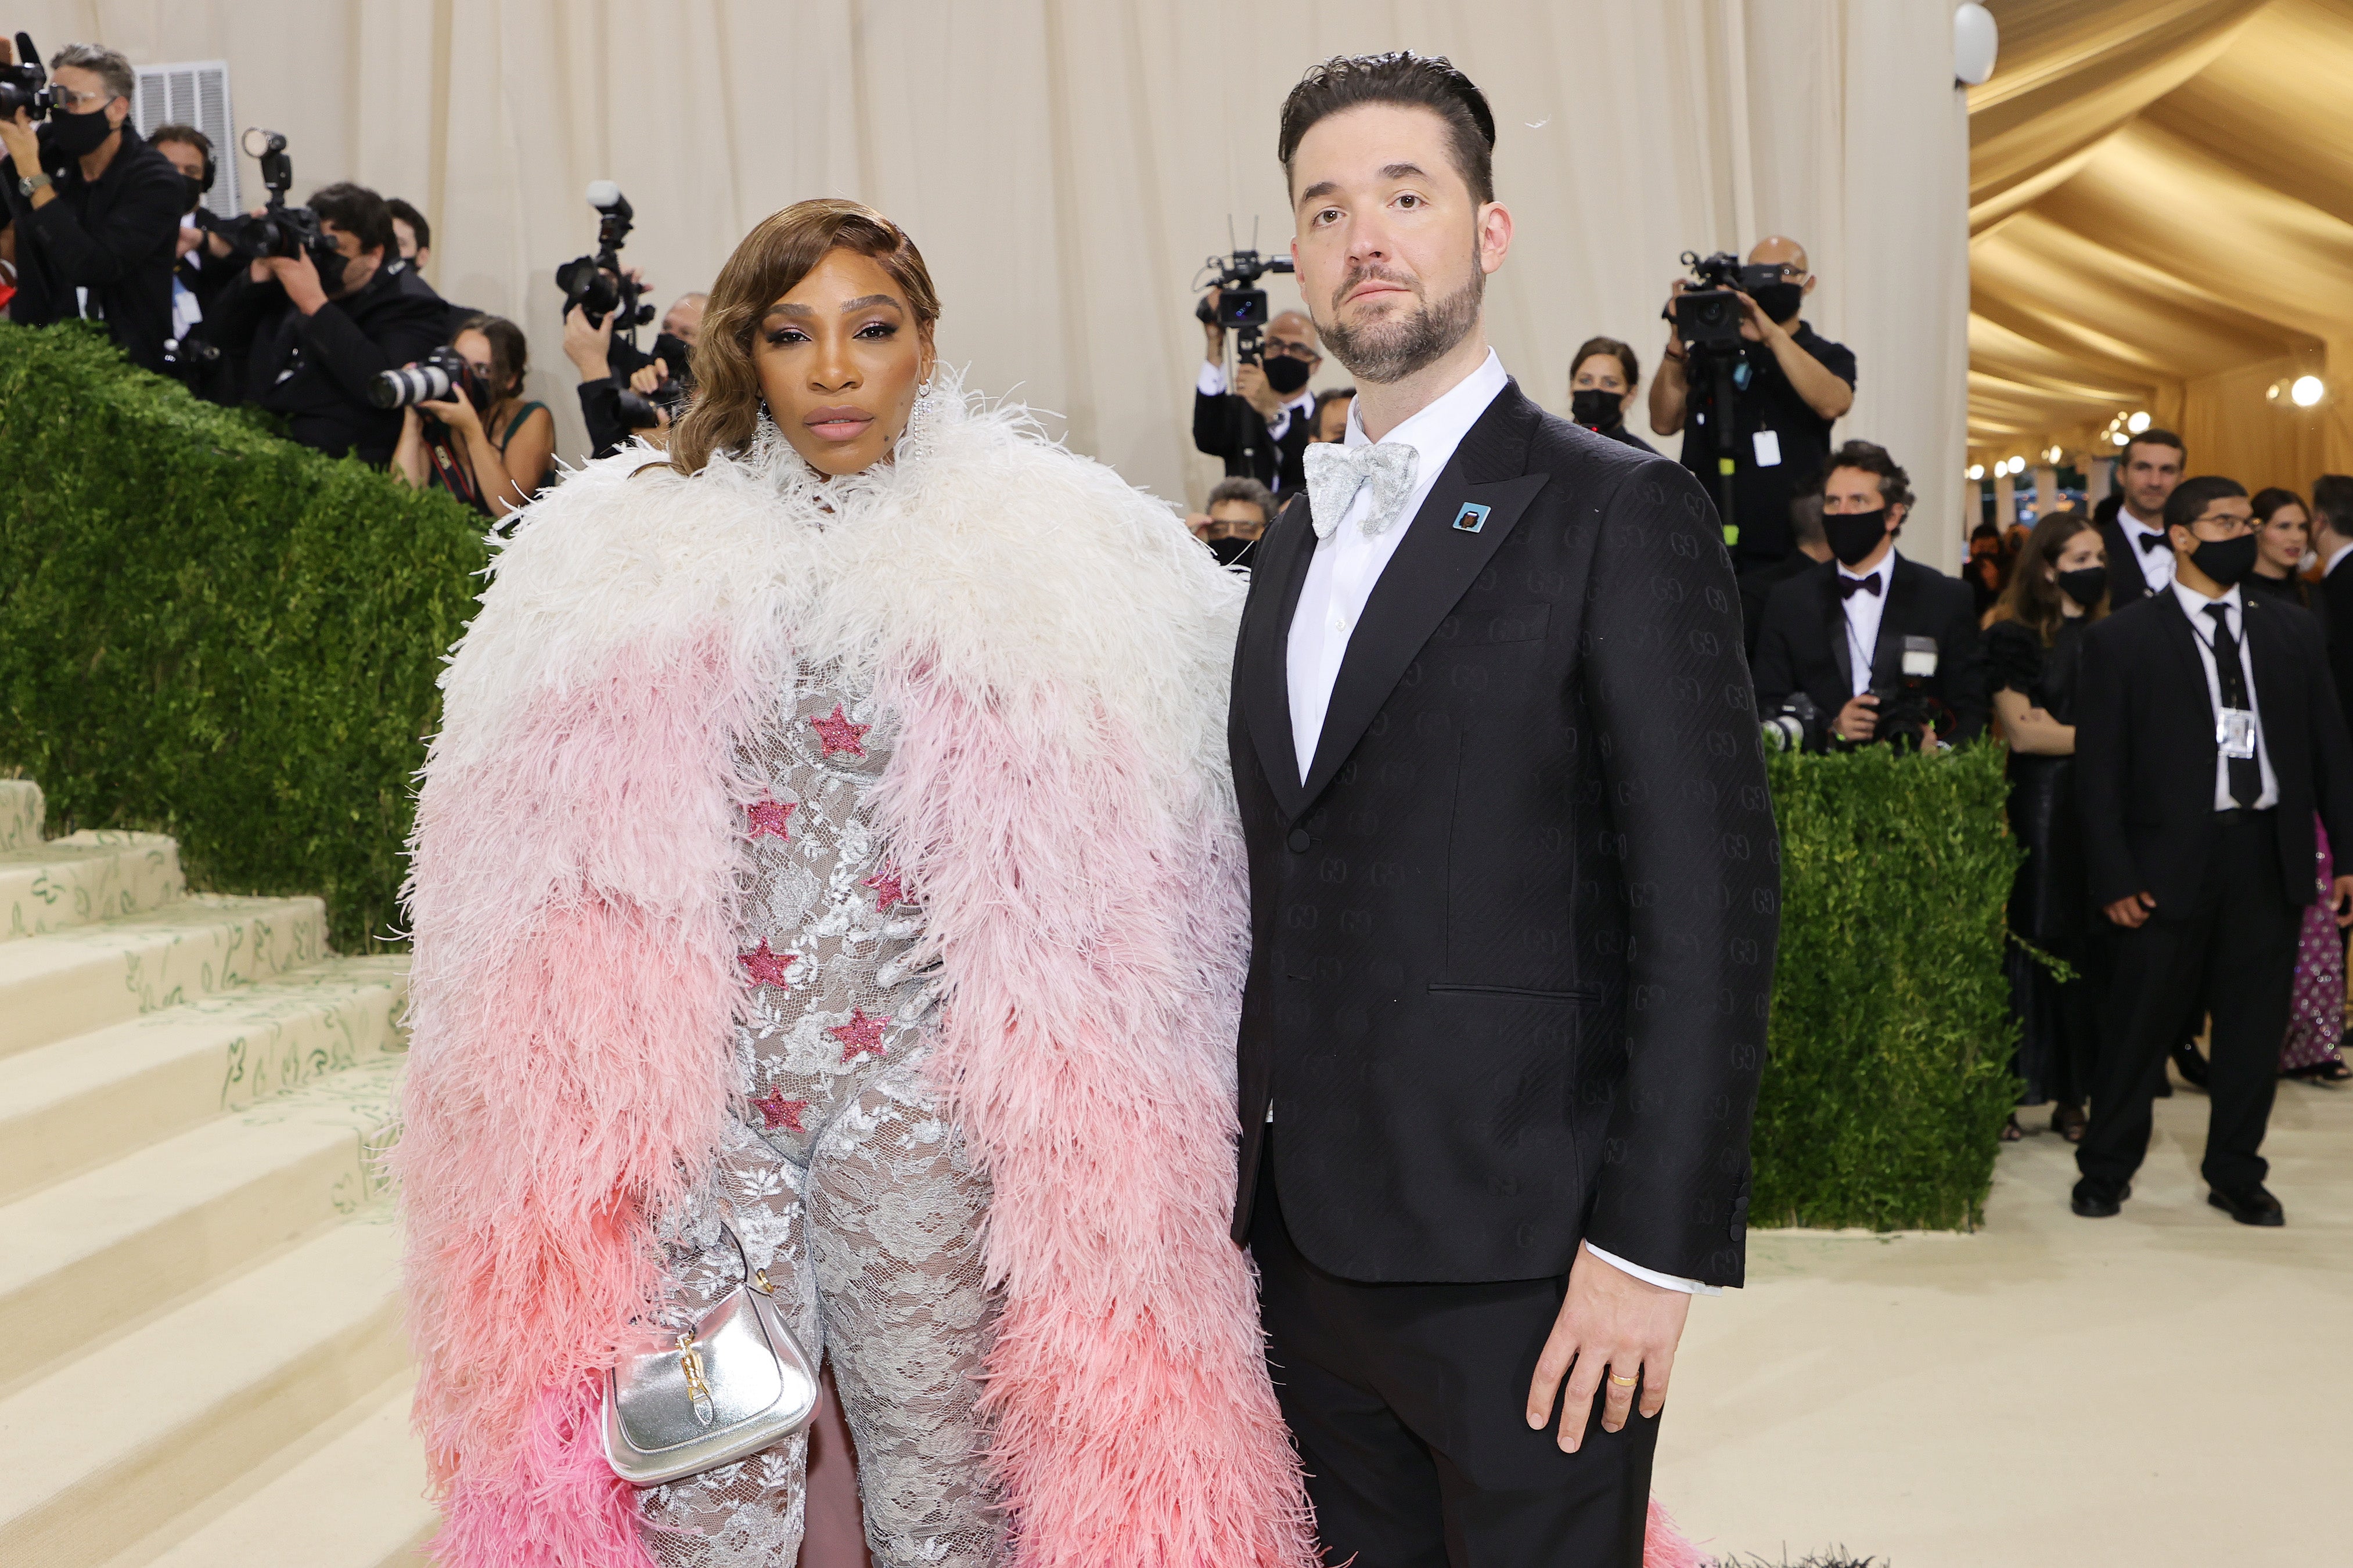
{"points": [[97, 210], [1261, 426]]}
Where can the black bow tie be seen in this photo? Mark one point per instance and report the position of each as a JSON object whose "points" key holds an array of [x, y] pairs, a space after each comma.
{"points": [[1850, 586], [2149, 541]]}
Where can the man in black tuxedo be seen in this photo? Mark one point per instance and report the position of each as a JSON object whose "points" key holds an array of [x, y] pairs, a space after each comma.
{"points": [[2207, 733], [1264, 422], [2140, 560], [2332, 541], [1854, 634], [1810, 547], [1513, 896]]}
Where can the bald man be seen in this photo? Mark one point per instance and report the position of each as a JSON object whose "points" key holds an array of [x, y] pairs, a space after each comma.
{"points": [[1791, 385], [1262, 424]]}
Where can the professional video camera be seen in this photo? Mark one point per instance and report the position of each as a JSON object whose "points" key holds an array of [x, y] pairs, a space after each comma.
{"points": [[1798, 727], [1908, 711], [432, 379], [1241, 303], [25, 84], [1709, 316], [277, 229], [596, 283]]}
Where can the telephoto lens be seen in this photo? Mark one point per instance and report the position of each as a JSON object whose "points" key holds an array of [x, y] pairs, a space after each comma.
{"points": [[433, 379]]}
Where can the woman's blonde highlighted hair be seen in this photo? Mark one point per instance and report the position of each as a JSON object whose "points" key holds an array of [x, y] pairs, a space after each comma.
{"points": [[768, 265]]}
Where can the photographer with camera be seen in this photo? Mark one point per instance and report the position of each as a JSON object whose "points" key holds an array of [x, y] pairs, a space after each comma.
{"points": [[626, 393], [1262, 426], [467, 430], [319, 316], [96, 209], [1885, 647], [1785, 382], [1238, 511]]}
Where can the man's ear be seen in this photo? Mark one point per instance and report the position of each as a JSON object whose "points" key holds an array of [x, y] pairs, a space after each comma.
{"points": [[1811, 279], [1896, 514]]}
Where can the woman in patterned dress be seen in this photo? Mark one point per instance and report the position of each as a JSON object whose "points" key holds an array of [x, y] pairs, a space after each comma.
{"points": [[828, 838]]}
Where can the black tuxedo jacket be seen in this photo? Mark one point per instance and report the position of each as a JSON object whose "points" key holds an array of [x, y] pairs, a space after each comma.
{"points": [[2125, 584], [2145, 747], [1227, 426], [2336, 606], [1802, 645], [1512, 940]]}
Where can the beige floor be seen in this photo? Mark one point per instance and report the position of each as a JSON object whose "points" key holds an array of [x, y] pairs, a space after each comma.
{"points": [[2163, 1387]]}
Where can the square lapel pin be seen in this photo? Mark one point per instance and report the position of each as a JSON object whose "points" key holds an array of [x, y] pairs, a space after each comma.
{"points": [[1472, 517]]}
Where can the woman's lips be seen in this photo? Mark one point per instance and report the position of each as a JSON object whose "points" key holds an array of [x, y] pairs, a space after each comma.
{"points": [[839, 424]]}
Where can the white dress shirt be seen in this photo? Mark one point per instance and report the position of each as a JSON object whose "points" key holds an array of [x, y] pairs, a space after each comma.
{"points": [[2156, 565], [1213, 384], [1864, 611], [2193, 604], [1340, 580], [2339, 553]]}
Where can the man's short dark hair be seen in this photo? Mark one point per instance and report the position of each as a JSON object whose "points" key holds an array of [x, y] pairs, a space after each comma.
{"points": [[2332, 502], [1806, 517], [1894, 484], [1242, 488], [1424, 81], [400, 208], [2190, 498], [2153, 437], [356, 210], [110, 66], [186, 135]]}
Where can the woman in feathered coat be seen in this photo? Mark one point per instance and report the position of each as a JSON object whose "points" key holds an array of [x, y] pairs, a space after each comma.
{"points": [[829, 832]]}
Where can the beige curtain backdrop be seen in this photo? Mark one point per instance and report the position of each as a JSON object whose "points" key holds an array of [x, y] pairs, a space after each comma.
{"points": [[1067, 164], [2162, 216]]}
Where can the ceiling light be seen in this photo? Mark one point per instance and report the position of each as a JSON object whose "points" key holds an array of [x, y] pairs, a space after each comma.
{"points": [[2138, 422], [1976, 470], [2307, 391], [2054, 454], [2120, 438], [2274, 389]]}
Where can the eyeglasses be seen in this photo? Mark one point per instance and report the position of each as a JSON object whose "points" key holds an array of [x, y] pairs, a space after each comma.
{"points": [[81, 102], [1289, 350]]}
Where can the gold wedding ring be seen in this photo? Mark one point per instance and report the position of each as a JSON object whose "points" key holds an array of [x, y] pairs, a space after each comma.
{"points": [[1624, 1382]]}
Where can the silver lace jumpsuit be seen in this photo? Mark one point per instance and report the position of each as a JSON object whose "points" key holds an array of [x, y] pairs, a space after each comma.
{"points": [[842, 1179]]}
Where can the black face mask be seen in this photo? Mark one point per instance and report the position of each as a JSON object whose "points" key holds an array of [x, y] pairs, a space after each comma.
{"points": [[1781, 300], [2085, 585], [1285, 373], [196, 192], [2225, 559], [1597, 409], [1229, 551], [330, 264], [673, 351], [1854, 534], [78, 135]]}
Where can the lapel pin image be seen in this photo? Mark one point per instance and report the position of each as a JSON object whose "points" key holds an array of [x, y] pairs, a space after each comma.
{"points": [[1472, 517]]}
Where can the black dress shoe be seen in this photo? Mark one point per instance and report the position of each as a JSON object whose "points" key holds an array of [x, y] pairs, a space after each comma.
{"points": [[2249, 1205], [2096, 1203], [2190, 1062]]}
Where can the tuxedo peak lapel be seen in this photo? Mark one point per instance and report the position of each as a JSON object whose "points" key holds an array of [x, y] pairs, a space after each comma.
{"points": [[1834, 628], [1285, 551], [1434, 566]]}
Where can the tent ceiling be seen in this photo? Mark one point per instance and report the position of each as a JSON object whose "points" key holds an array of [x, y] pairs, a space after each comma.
{"points": [[2161, 192]]}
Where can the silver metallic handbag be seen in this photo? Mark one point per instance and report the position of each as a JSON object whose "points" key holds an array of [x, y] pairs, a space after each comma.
{"points": [[728, 1387]]}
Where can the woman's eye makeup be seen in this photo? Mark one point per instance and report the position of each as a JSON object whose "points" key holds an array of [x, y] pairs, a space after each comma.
{"points": [[878, 330]]}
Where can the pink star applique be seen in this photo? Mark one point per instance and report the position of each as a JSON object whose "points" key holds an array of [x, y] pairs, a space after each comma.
{"points": [[860, 1037], [840, 734], [767, 968], [772, 816], [888, 890], [777, 1112]]}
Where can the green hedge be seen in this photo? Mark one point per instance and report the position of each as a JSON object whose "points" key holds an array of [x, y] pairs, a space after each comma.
{"points": [[1888, 1075], [207, 631]]}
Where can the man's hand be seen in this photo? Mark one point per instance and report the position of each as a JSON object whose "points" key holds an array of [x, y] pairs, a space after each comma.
{"points": [[188, 239], [1613, 1324], [1763, 328], [1674, 332], [2133, 912], [1249, 380], [1214, 332], [23, 145], [2340, 899], [649, 379], [299, 278], [1858, 720], [588, 348]]}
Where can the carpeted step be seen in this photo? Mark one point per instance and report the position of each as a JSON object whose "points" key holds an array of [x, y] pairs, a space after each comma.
{"points": [[357, 1503], [117, 1442], [70, 982], [22, 812], [85, 878], [90, 1254], [74, 1104]]}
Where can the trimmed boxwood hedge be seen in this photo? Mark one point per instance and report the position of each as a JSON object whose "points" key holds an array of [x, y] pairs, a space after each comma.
{"points": [[207, 631], [210, 632], [1888, 1074]]}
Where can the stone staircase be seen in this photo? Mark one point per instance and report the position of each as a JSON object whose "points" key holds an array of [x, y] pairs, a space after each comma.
{"points": [[201, 1356]]}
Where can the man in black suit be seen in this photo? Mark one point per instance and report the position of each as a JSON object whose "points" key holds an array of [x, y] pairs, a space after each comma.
{"points": [[1810, 547], [2207, 733], [1872, 631], [2332, 541], [2140, 560], [1513, 901], [1266, 420]]}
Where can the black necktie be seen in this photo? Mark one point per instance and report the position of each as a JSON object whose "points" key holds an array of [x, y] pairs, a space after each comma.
{"points": [[2149, 541], [2246, 774], [1850, 586]]}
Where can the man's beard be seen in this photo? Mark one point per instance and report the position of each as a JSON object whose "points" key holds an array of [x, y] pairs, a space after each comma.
{"points": [[1394, 346]]}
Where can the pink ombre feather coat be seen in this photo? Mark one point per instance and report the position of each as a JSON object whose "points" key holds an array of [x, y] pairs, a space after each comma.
{"points": [[1058, 650]]}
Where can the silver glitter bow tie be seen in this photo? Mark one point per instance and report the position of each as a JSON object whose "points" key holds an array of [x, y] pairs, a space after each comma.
{"points": [[1334, 474]]}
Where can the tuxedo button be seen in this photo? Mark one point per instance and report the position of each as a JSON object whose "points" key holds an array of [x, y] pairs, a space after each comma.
{"points": [[1299, 841]]}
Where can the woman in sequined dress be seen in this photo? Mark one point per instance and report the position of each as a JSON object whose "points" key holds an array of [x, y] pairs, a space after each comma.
{"points": [[807, 853]]}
